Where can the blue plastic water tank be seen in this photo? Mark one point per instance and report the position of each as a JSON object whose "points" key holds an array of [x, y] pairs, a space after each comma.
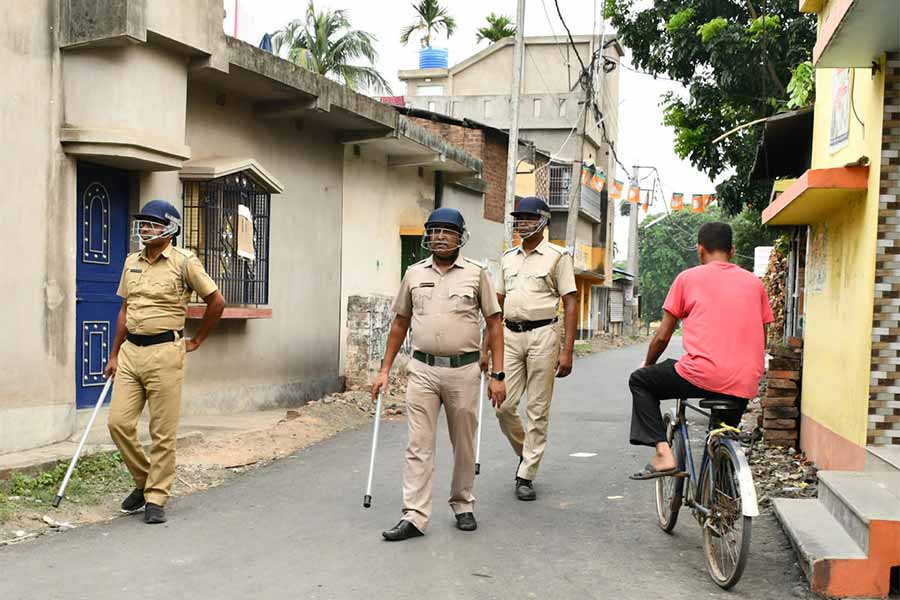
{"points": [[433, 58]]}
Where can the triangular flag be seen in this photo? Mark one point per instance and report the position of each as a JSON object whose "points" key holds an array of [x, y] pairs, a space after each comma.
{"points": [[677, 201]]}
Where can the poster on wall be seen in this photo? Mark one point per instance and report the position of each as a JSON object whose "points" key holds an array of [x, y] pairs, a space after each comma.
{"points": [[840, 110], [817, 259]]}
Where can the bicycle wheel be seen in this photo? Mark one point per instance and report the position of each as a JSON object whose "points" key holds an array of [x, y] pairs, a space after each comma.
{"points": [[726, 532], [670, 490]]}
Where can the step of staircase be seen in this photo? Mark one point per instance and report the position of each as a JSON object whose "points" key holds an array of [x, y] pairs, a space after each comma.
{"points": [[848, 538], [883, 458], [816, 534], [856, 498]]}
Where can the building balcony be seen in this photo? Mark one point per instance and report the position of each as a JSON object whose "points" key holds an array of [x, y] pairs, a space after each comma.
{"points": [[854, 33]]}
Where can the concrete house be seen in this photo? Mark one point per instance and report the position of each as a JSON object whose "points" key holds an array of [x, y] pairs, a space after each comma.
{"points": [[107, 105], [551, 104], [846, 206]]}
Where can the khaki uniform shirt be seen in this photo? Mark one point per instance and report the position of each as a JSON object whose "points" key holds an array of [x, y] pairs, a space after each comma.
{"points": [[533, 283], [445, 306], [157, 293]]}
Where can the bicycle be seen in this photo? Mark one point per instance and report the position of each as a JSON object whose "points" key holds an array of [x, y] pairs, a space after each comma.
{"points": [[722, 496]]}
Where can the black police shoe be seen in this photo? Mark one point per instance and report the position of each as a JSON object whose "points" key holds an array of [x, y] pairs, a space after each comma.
{"points": [[154, 513], [466, 522], [524, 489], [134, 502], [402, 531]]}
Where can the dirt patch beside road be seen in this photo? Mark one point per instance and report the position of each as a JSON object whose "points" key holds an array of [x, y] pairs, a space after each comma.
{"points": [[101, 481]]}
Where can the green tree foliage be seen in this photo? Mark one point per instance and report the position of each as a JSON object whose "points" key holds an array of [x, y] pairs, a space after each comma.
{"points": [[669, 246], [431, 18], [802, 87], [734, 61], [498, 27], [325, 43]]}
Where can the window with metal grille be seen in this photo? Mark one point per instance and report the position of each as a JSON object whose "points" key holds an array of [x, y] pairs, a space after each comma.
{"points": [[210, 229], [560, 178]]}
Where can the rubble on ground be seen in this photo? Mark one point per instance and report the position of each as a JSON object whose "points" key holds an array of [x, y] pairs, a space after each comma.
{"points": [[782, 472]]}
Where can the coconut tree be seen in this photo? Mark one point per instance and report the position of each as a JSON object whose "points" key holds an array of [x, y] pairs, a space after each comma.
{"points": [[431, 18], [325, 42], [499, 27]]}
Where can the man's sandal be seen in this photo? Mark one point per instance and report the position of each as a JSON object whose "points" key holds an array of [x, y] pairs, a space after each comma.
{"points": [[650, 472]]}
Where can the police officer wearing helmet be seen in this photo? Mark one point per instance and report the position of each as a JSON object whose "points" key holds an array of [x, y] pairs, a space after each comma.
{"points": [[442, 297], [535, 275], [147, 358]]}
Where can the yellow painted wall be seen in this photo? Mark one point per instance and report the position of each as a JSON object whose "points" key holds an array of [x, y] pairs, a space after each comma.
{"points": [[841, 268], [526, 183]]}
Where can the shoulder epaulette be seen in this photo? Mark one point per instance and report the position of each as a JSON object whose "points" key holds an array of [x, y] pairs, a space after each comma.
{"points": [[183, 251], [474, 262], [560, 249]]}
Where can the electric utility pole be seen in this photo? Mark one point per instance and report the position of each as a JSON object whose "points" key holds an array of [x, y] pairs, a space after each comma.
{"points": [[512, 152], [633, 263], [589, 94]]}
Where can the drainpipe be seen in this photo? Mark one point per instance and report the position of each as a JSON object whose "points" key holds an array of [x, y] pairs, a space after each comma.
{"points": [[438, 189]]}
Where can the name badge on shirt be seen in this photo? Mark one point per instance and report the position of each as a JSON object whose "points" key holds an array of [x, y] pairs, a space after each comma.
{"points": [[135, 270], [427, 284]]}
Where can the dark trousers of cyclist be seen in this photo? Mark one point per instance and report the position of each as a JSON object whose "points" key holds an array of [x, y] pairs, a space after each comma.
{"points": [[658, 382]]}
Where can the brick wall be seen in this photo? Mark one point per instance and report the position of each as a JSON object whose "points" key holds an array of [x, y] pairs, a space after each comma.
{"points": [[488, 147], [884, 406]]}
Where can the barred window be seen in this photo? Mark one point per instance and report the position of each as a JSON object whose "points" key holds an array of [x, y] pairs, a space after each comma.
{"points": [[560, 178], [217, 218]]}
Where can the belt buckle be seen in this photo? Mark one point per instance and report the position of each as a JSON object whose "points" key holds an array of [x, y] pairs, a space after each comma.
{"points": [[442, 361]]}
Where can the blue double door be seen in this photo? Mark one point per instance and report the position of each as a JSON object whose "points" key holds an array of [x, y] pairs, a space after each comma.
{"points": [[102, 229]]}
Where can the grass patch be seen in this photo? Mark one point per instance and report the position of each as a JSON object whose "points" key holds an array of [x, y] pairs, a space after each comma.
{"points": [[94, 479]]}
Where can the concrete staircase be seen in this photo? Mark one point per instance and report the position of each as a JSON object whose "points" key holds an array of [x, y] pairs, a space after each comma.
{"points": [[848, 539]]}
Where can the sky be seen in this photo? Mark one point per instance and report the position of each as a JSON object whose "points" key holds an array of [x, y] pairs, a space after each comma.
{"points": [[643, 139]]}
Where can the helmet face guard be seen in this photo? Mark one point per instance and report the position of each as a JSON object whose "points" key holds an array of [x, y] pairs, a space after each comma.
{"points": [[443, 238], [146, 230], [525, 228]]}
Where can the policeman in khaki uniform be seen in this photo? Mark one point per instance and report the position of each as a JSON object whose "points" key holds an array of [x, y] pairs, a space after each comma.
{"points": [[443, 297], [536, 274], [147, 358]]}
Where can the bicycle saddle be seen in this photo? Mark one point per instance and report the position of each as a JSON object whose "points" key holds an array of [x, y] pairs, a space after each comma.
{"points": [[721, 403]]}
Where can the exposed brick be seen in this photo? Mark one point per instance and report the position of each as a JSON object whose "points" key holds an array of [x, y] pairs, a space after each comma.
{"points": [[786, 364], [781, 437], [795, 375], [780, 424], [783, 384], [773, 392], [781, 412], [769, 402]]}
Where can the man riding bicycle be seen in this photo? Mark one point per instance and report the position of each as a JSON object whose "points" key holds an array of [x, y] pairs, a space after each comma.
{"points": [[724, 312]]}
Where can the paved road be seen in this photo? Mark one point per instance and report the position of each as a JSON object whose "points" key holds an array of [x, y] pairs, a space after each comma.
{"points": [[297, 529]]}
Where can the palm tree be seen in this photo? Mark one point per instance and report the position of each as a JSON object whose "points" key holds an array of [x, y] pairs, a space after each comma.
{"points": [[499, 27], [324, 43], [432, 17]]}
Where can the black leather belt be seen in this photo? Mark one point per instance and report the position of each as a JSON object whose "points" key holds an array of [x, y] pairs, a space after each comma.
{"points": [[150, 340], [447, 361], [520, 326]]}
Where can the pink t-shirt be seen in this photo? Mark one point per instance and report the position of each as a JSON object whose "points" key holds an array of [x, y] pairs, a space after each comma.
{"points": [[723, 308]]}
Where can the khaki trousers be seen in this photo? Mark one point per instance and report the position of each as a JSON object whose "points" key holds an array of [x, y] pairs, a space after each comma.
{"points": [[151, 375], [427, 389], [529, 360]]}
